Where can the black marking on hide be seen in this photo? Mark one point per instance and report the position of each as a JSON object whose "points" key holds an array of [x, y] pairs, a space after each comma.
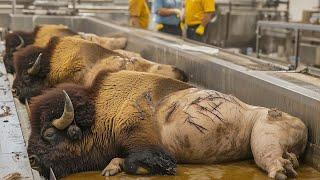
{"points": [[148, 98], [140, 111], [144, 98], [191, 122], [214, 107], [171, 109]]}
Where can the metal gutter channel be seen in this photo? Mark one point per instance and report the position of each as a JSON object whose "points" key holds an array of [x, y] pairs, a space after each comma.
{"points": [[253, 87], [13, 152]]}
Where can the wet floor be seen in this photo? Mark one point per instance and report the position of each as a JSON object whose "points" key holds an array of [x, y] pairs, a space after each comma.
{"points": [[240, 171]]}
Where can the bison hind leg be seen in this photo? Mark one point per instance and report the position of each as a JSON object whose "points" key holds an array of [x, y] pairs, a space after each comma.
{"points": [[150, 161]]}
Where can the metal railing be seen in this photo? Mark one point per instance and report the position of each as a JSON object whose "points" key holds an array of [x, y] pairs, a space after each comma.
{"points": [[73, 3], [296, 27]]}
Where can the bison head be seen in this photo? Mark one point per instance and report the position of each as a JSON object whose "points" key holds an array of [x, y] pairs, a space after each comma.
{"points": [[31, 70], [59, 131], [14, 42]]}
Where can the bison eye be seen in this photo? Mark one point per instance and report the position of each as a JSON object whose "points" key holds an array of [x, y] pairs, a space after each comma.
{"points": [[49, 134], [27, 79]]}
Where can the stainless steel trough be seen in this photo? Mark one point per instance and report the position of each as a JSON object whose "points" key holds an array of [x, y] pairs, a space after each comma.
{"points": [[253, 81]]}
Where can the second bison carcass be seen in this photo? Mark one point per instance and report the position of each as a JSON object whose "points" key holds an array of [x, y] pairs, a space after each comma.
{"points": [[40, 36], [68, 59], [142, 123]]}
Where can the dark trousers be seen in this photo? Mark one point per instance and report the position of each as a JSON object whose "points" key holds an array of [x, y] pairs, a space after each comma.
{"points": [[171, 29], [191, 33]]}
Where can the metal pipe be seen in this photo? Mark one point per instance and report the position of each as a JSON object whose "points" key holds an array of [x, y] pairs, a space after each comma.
{"points": [[13, 6], [289, 25], [74, 7], [258, 31], [297, 48], [227, 24]]}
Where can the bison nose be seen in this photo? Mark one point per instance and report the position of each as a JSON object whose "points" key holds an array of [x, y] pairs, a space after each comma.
{"points": [[34, 161], [14, 92], [183, 77]]}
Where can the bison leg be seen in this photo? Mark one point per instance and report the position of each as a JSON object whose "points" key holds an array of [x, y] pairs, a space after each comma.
{"points": [[276, 142], [150, 161], [113, 168]]}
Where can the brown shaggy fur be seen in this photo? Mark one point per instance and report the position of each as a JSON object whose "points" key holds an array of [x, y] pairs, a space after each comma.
{"points": [[40, 36], [12, 41], [27, 86], [138, 117], [44, 33], [122, 104], [69, 59]]}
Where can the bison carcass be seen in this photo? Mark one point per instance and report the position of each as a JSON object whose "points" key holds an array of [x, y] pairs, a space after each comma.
{"points": [[40, 36], [142, 123], [68, 59]]}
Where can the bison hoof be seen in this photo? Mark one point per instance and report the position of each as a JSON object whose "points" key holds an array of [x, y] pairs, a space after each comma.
{"points": [[113, 168], [293, 158], [150, 161], [283, 169], [280, 176]]}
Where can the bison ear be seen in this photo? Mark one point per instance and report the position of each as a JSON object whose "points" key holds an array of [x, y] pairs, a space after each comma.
{"points": [[35, 69]]}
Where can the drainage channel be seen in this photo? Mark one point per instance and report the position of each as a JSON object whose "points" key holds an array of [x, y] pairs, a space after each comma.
{"points": [[14, 162]]}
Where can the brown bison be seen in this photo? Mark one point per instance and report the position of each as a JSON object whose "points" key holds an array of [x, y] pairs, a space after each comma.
{"points": [[142, 123], [40, 36], [68, 59]]}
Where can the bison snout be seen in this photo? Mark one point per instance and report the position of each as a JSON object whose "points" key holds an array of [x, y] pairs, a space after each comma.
{"points": [[74, 132], [14, 92]]}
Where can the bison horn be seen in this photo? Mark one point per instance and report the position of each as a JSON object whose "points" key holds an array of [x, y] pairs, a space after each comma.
{"points": [[68, 114], [36, 66], [28, 108], [21, 45]]}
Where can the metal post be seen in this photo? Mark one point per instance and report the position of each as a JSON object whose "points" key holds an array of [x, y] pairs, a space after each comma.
{"points": [[13, 6], [297, 48], [258, 31], [288, 10], [227, 25], [74, 7]]}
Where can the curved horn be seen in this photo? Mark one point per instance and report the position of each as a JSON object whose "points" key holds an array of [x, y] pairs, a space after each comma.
{"points": [[36, 66], [27, 107], [68, 114], [21, 45]]}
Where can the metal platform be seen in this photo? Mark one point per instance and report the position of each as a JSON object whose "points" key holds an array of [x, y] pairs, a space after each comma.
{"points": [[260, 84]]}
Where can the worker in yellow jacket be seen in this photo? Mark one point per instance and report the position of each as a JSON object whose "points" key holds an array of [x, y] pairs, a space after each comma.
{"points": [[139, 13], [198, 14]]}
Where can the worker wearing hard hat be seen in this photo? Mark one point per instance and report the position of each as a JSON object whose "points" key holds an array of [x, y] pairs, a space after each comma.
{"points": [[167, 16], [198, 14], [139, 13]]}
